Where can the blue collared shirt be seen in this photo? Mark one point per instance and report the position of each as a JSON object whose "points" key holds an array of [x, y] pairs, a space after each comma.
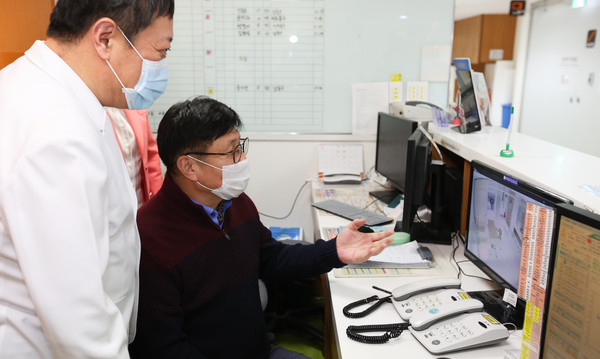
{"points": [[213, 213]]}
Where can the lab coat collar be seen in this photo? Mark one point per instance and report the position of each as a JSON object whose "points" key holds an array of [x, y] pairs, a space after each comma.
{"points": [[49, 62]]}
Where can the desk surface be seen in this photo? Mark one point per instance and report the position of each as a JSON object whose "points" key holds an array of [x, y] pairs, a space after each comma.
{"points": [[550, 166], [346, 290]]}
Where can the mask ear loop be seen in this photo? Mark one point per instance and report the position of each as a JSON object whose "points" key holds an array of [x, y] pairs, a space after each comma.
{"points": [[204, 163], [134, 49], [117, 76], [208, 164]]}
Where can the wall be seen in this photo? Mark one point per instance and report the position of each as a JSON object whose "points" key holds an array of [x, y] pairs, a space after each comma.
{"points": [[561, 88], [281, 163]]}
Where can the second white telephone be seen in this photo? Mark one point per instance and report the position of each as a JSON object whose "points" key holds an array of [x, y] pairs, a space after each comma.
{"points": [[444, 318]]}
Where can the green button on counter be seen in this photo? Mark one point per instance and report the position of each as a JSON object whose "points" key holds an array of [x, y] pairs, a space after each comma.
{"points": [[400, 238]]}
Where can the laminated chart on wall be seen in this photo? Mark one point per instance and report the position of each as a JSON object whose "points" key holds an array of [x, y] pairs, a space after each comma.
{"points": [[574, 311], [533, 279]]}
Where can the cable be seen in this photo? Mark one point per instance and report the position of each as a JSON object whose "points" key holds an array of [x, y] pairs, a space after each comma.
{"points": [[376, 205], [293, 204], [391, 331], [432, 142], [367, 311]]}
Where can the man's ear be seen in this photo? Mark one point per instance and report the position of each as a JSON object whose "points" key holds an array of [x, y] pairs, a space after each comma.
{"points": [[103, 33], [184, 165]]}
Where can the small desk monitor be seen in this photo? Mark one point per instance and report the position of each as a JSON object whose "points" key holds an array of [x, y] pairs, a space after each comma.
{"points": [[390, 154], [497, 207], [571, 327], [468, 98]]}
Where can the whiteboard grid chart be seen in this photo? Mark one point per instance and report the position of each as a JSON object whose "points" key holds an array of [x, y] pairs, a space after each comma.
{"points": [[264, 59], [289, 65]]}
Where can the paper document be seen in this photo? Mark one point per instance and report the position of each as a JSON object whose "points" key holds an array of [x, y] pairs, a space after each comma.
{"points": [[397, 256]]}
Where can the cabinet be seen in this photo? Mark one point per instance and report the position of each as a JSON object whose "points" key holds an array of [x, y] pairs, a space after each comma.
{"points": [[21, 23], [484, 38]]}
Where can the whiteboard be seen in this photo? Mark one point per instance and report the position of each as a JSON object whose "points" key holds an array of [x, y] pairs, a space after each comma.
{"points": [[289, 65], [561, 91]]}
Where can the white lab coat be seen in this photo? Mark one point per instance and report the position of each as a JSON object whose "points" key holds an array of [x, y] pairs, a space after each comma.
{"points": [[69, 246]]}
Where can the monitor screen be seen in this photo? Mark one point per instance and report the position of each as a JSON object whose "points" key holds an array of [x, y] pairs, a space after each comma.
{"points": [[496, 220], [390, 154], [572, 319]]}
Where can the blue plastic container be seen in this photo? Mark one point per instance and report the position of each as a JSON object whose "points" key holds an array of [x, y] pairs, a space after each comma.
{"points": [[506, 114]]}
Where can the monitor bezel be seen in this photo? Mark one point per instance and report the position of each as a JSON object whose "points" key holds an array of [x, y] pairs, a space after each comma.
{"points": [[414, 124], [422, 144]]}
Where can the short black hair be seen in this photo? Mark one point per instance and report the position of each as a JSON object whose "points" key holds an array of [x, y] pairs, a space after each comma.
{"points": [[191, 126], [71, 19]]}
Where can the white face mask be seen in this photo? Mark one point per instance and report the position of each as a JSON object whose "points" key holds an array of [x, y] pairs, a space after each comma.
{"points": [[235, 179]]}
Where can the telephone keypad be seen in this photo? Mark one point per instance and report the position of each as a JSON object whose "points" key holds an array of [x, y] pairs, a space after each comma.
{"points": [[450, 332], [425, 302]]}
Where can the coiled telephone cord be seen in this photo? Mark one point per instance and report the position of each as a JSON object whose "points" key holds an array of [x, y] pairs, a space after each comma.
{"points": [[391, 331]]}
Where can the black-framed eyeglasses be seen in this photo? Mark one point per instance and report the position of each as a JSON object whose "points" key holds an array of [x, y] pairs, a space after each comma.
{"points": [[236, 153]]}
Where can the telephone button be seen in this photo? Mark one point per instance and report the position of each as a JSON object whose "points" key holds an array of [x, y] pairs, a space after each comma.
{"points": [[483, 325], [436, 342]]}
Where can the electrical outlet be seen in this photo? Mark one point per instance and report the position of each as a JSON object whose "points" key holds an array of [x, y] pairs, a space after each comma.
{"points": [[395, 86], [416, 91], [395, 91]]}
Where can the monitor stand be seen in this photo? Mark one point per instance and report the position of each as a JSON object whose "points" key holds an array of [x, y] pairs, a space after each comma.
{"points": [[386, 196], [499, 309]]}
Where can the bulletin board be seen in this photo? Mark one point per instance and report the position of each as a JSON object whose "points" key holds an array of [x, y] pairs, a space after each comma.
{"points": [[561, 91], [289, 65]]}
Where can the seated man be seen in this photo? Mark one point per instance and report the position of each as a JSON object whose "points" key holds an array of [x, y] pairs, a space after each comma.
{"points": [[204, 247]]}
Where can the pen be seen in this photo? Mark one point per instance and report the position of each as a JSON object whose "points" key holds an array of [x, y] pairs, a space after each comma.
{"points": [[507, 152]]}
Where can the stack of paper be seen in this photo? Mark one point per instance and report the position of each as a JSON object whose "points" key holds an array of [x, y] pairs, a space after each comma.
{"points": [[397, 256]]}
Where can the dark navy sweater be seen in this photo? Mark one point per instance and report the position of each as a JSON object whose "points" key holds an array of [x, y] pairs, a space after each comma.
{"points": [[199, 295]]}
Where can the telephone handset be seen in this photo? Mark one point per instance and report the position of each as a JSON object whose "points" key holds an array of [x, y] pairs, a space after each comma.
{"points": [[423, 320], [421, 286], [419, 110], [420, 303]]}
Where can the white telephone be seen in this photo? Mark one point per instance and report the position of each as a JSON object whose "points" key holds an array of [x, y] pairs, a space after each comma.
{"points": [[457, 328], [444, 318], [418, 110]]}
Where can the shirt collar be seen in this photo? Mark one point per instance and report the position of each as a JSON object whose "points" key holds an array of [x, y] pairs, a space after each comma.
{"points": [[213, 213]]}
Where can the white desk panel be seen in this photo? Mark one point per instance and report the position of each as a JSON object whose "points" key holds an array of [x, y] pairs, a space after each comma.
{"points": [[556, 168]]}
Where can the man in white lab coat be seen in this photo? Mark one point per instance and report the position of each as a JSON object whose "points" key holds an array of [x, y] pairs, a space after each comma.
{"points": [[69, 248]]}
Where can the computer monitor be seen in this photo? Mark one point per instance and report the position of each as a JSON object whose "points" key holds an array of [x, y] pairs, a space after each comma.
{"points": [[390, 154], [424, 191], [572, 317], [497, 207], [468, 98]]}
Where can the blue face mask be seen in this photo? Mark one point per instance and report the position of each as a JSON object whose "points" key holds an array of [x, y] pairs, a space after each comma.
{"points": [[152, 82]]}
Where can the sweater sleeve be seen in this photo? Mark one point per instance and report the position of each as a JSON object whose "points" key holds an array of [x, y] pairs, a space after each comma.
{"points": [[280, 260], [160, 315]]}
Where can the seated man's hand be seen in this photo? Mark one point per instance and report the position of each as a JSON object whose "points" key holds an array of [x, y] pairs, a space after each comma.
{"points": [[356, 247]]}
